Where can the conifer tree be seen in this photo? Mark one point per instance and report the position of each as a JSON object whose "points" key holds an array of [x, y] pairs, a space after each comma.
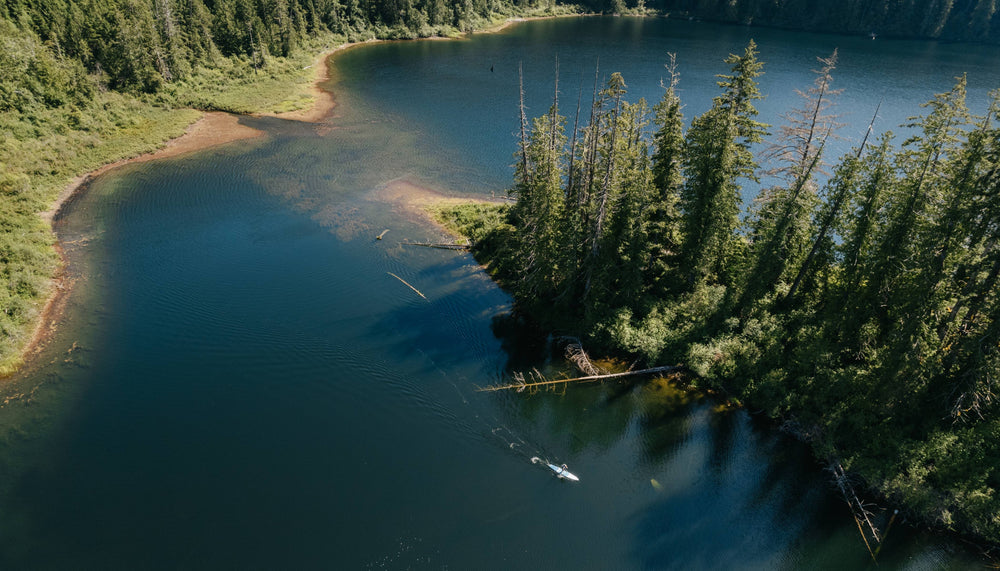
{"points": [[539, 208], [622, 256], [581, 190], [957, 207], [923, 163], [716, 156], [970, 342], [875, 179], [831, 211], [603, 172], [663, 217]]}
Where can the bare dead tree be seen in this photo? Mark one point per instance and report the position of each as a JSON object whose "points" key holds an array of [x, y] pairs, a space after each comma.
{"points": [[798, 141], [858, 510], [524, 121], [838, 202], [553, 113]]}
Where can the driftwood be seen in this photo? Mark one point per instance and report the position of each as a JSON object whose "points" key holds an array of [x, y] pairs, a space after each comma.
{"points": [[407, 285], [441, 246], [539, 381], [576, 355]]}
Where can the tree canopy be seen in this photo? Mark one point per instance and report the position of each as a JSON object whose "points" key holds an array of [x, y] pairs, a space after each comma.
{"points": [[860, 307]]}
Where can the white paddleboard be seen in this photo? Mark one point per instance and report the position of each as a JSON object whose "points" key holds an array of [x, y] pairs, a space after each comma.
{"points": [[561, 472]]}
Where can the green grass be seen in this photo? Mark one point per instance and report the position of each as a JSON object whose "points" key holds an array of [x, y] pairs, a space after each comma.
{"points": [[233, 85], [490, 236], [475, 221]]}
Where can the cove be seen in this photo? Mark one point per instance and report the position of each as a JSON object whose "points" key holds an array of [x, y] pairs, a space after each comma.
{"points": [[238, 382]]}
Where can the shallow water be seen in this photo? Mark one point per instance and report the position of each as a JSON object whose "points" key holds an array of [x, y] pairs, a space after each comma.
{"points": [[239, 383]]}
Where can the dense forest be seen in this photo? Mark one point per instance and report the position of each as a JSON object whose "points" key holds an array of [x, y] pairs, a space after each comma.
{"points": [[856, 302], [138, 45], [966, 20], [54, 48]]}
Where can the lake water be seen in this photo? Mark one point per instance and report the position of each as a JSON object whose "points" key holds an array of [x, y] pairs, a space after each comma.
{"points": [[238, 382]]}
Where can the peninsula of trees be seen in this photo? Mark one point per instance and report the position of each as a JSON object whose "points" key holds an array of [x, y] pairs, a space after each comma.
{"points": [[861, 308]]}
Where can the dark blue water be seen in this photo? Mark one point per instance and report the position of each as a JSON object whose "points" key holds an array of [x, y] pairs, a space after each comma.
{"points": [[239, 383], [445, 91]]}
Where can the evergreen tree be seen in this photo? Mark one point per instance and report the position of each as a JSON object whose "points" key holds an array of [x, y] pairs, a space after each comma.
{"points": [[538, 189], [970, 342], [622, 259], [874, 180], [831, 211], [716, 156], [892, 282], [603, 172], [663, 217]]}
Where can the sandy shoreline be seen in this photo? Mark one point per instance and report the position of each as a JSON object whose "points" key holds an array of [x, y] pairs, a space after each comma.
{"points": [[213, 128], [323, 102], [413, 200]]}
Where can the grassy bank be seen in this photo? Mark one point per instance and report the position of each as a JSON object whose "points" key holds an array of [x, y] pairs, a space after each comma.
{"points": [[45, 148], [41, 153]]}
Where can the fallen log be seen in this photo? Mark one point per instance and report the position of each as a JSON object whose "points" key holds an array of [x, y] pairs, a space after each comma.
{"points": [[521, 384], [441, 246], [856, 507]]}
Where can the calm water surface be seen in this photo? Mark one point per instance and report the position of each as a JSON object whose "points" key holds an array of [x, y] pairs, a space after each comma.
{"points": [[239, 383]]}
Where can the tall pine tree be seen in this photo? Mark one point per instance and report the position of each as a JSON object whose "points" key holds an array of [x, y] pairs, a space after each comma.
{"points": [[717, 156]]}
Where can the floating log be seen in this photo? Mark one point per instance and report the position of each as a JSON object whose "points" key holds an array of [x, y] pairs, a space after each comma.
{"points": [[379, 237], [441, 246], [520, 386], [407, 285]]}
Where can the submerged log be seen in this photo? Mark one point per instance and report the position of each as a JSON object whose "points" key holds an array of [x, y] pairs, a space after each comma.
{"points": [[522, 384], [407, 285]]}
